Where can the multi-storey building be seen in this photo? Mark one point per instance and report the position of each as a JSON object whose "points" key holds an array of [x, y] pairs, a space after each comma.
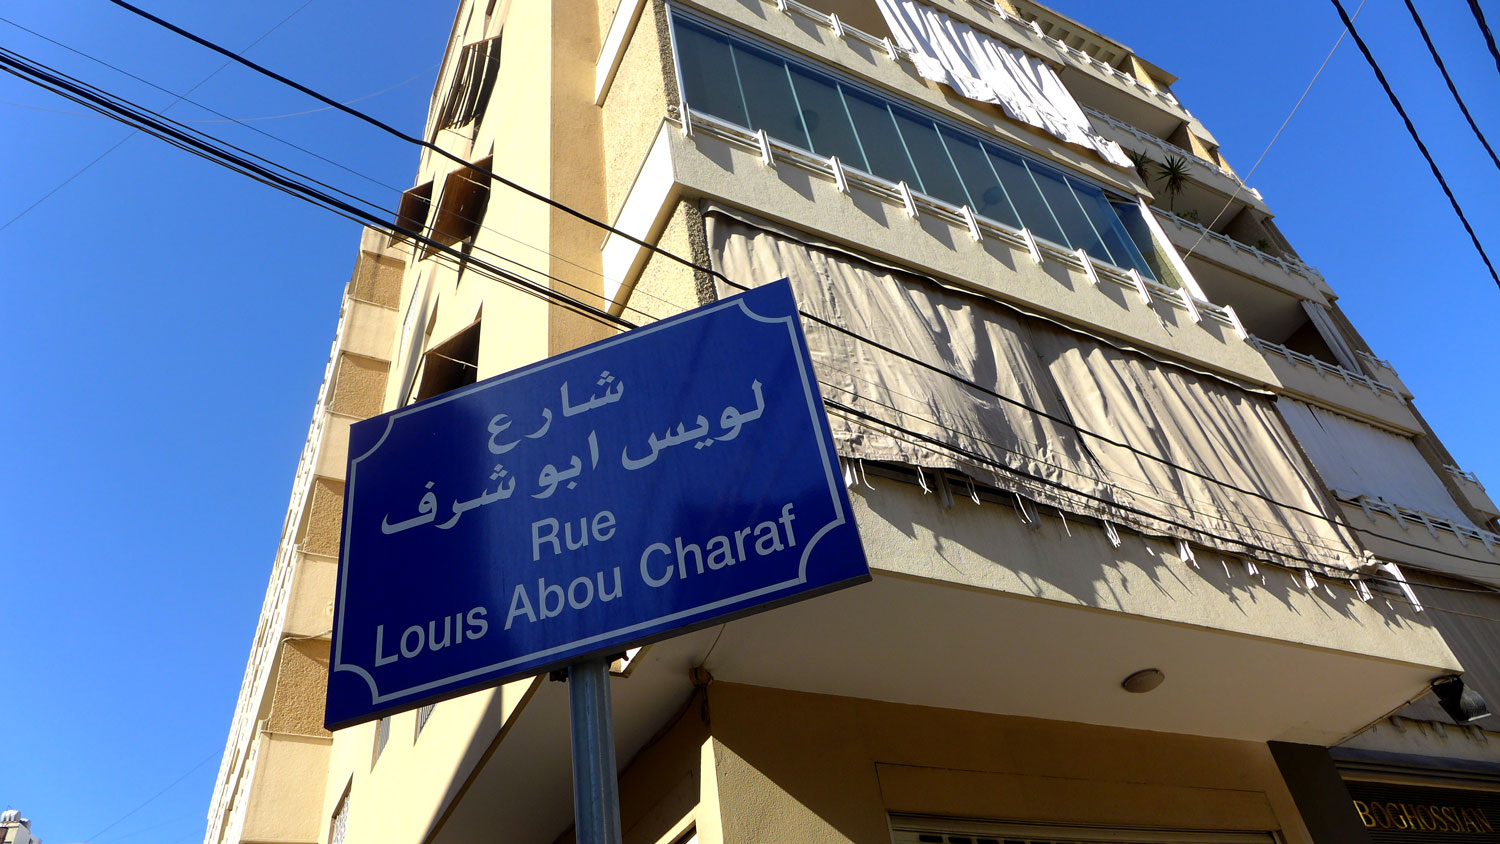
{"points": [[15, 829], [1162, 551]]}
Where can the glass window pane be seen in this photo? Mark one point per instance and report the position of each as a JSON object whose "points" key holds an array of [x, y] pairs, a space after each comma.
{"points": [[1129, 215], [708, 73], [825, 118], [1107, 224], [1069, 215], [768, 94], [883, 148], [1028, 202], [927, 151], [985, 190]]}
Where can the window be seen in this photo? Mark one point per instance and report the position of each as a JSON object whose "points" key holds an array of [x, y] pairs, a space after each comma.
{"points": [[382, 735], [451, 364], [338, 825], [422, 715], [411, 215], [473, 80], [734, 80], [460, 212]]}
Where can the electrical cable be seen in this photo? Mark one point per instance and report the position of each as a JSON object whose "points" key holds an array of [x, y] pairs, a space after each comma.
{"points": [[85, 168], [1315, 568], [144, 803], [1484, 27], [604, 317], [398, 191], [1452, 89], [1412, 130], [78, 92], [1240, 183]]}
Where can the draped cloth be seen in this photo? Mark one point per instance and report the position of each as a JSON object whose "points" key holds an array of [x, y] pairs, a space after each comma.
{"points": [[1356, 460], [1037, 409], [979, 67]]}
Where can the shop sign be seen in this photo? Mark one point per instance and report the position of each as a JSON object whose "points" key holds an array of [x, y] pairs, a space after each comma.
{"points": [[1402, 813]]}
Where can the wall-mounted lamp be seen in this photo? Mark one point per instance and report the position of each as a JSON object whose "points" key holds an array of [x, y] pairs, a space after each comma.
{"points": [[1143, 681], [1463, 705]]}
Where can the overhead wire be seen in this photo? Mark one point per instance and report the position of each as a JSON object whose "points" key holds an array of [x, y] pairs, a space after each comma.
{"points": [[396, 190], [1452, 89], [610, 319], [101, 156], [184, 138], [1484, 29], [1240, 182], [1412, 130]]}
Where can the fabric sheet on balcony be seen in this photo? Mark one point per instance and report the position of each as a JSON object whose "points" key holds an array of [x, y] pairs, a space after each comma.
{"points": [[1357, 459], [981, 68], [884, 406]]}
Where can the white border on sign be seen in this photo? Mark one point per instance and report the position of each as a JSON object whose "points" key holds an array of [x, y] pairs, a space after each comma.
{"points": [[814, 405]]}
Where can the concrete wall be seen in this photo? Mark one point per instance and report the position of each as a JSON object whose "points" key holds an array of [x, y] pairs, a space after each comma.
{"points": [[814, 768], [325, 515], [285, 800], [301, 684]]}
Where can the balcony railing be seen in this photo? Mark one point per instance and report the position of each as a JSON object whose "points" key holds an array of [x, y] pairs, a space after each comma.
{"points": [[845, 178], [1405, 515], [1459, 473], [1324, 368], [832, 22], [1291, 265], [1170, 148]]}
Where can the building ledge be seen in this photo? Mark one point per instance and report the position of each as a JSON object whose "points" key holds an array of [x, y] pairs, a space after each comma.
{"points": [[719, 161]]}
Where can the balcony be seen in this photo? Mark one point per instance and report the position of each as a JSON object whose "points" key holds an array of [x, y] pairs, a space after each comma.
{"points": [[1307, 376], [716, 159], [1473, 491], [299, 596], [1207, 172], [1392, 532], [1289, 273]]}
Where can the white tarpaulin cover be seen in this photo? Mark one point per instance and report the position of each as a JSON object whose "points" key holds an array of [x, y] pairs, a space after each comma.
{"points": [[981, 68], [1357, 459], [1198, 422]]}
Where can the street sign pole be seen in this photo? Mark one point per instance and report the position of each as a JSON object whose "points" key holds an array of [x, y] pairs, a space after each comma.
{"points": [[596, 788]]}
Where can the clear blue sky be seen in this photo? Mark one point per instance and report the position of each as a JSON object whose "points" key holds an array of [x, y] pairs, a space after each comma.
{"points": [[170, 321]]}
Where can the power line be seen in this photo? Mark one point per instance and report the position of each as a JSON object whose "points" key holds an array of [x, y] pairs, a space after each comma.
{"points": [[194, 141], [85, 168], [186, 125], [354, 213], [144, 803], [1489, 37], [1412, 130], [1240, 183], [1452, 89]]}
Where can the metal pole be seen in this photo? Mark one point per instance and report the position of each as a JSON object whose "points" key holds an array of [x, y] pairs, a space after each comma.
{"points": [[596, 788]]}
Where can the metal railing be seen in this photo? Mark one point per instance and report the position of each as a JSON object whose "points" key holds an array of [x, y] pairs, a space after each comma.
{"points": [[832, 22], [1468, 476], [1404, 515], [1169, 147], [1291, 265], [1323, 367], [845, 178]]}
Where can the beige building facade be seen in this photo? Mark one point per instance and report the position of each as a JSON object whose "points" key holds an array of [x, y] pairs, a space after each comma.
{"points": [[1085, 436]]}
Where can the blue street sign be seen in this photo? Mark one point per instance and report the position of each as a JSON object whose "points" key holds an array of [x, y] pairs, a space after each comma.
{"points": [[677, 475]]}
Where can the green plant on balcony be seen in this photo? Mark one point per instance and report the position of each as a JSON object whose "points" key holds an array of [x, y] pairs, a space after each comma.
{"points": [[1172, 172], [1143, 164]]}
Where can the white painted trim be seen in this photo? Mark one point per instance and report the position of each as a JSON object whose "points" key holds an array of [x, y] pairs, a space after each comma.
{"points": [[613, 50], [644, 208], [1164, 245]]}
